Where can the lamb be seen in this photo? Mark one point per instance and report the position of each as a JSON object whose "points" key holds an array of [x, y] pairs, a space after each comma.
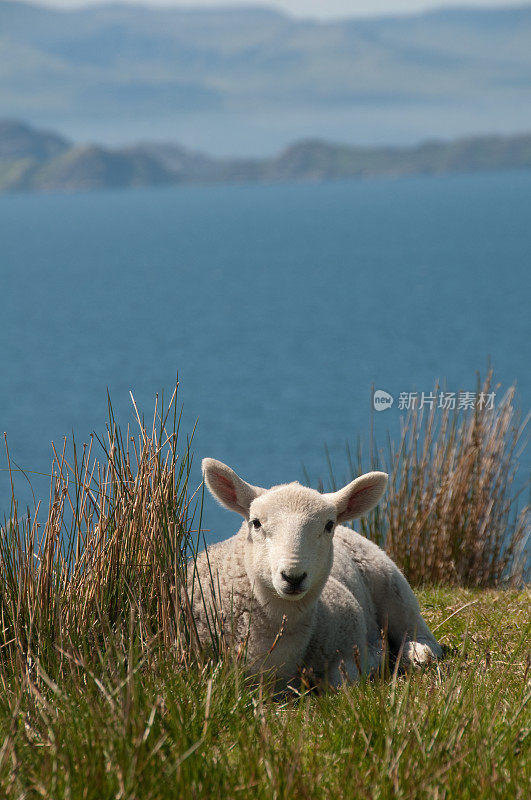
{"points": [[296, 588]]}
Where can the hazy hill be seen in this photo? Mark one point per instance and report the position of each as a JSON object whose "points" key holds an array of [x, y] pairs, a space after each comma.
{"points": [[249, 80], [19, 141], [31, 160]]}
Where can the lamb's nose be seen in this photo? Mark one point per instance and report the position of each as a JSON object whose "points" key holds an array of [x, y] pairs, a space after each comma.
{"points": [[294, 580]]}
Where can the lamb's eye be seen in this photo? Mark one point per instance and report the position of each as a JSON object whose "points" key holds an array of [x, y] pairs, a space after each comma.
{"points": [[329, 525], [256, 523]]}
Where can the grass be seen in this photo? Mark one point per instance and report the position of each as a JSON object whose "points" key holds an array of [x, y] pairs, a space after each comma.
{"points": [[105, 692], [138, 725]]}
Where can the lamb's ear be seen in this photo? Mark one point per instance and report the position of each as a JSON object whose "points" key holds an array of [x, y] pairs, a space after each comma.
{"points": [[359, 496], [227, 487]]}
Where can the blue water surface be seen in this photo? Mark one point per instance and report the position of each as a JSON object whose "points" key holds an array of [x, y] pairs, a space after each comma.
{"points": [[279, 306]]}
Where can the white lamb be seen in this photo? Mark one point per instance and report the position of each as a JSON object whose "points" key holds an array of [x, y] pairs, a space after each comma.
{"points": [[298, 589]]}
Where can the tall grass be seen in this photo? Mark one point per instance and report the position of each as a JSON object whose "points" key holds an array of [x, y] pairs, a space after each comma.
{"points": [[450, 515], [111, 554]]}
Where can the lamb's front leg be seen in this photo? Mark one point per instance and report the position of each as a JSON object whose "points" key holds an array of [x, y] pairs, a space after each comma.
{"points": [[406, 628], [339, 649]]}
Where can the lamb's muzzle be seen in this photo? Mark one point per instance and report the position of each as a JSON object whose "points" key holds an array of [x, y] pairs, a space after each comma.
{"points": [[294, 582]]}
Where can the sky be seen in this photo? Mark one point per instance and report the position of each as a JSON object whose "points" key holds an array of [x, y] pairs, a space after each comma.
{"points": [[323, 9]]}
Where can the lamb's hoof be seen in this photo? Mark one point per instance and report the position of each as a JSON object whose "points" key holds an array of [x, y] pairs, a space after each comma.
{"points": [[417, 655]]}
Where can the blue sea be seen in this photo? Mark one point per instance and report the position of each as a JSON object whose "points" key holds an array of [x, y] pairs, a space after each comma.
{"points": [[280, 307]]}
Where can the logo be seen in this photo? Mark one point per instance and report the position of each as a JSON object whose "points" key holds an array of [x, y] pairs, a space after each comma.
{"points": [[382, 400]]}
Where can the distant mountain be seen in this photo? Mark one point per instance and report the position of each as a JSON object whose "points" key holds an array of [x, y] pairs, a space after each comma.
{"points": [[31, 160], [19, 141], [249, 80]]}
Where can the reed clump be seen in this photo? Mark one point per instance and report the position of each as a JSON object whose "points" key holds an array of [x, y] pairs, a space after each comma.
{"points": [[451, 512], [109, 562]]}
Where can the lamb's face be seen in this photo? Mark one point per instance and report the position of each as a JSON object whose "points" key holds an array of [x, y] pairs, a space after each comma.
{"points": [[290, 527], [290, 540]]}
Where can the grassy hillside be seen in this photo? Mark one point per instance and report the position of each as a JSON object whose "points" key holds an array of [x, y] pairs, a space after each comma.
{"points": [[138, 724], [105, 693]]}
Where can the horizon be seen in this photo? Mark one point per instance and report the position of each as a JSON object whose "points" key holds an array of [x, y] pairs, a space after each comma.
{"points": [[310, 139], [333, 10]]}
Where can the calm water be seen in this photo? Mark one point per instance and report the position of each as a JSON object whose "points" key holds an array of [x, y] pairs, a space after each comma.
{"points": [[280, 306]]}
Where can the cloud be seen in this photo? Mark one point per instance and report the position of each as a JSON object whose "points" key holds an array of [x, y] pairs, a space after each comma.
{"points": [[304, 8]]}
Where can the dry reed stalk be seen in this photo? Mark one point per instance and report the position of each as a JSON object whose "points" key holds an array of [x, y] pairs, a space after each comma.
{"points": [[116, 544], [450, 514]]}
